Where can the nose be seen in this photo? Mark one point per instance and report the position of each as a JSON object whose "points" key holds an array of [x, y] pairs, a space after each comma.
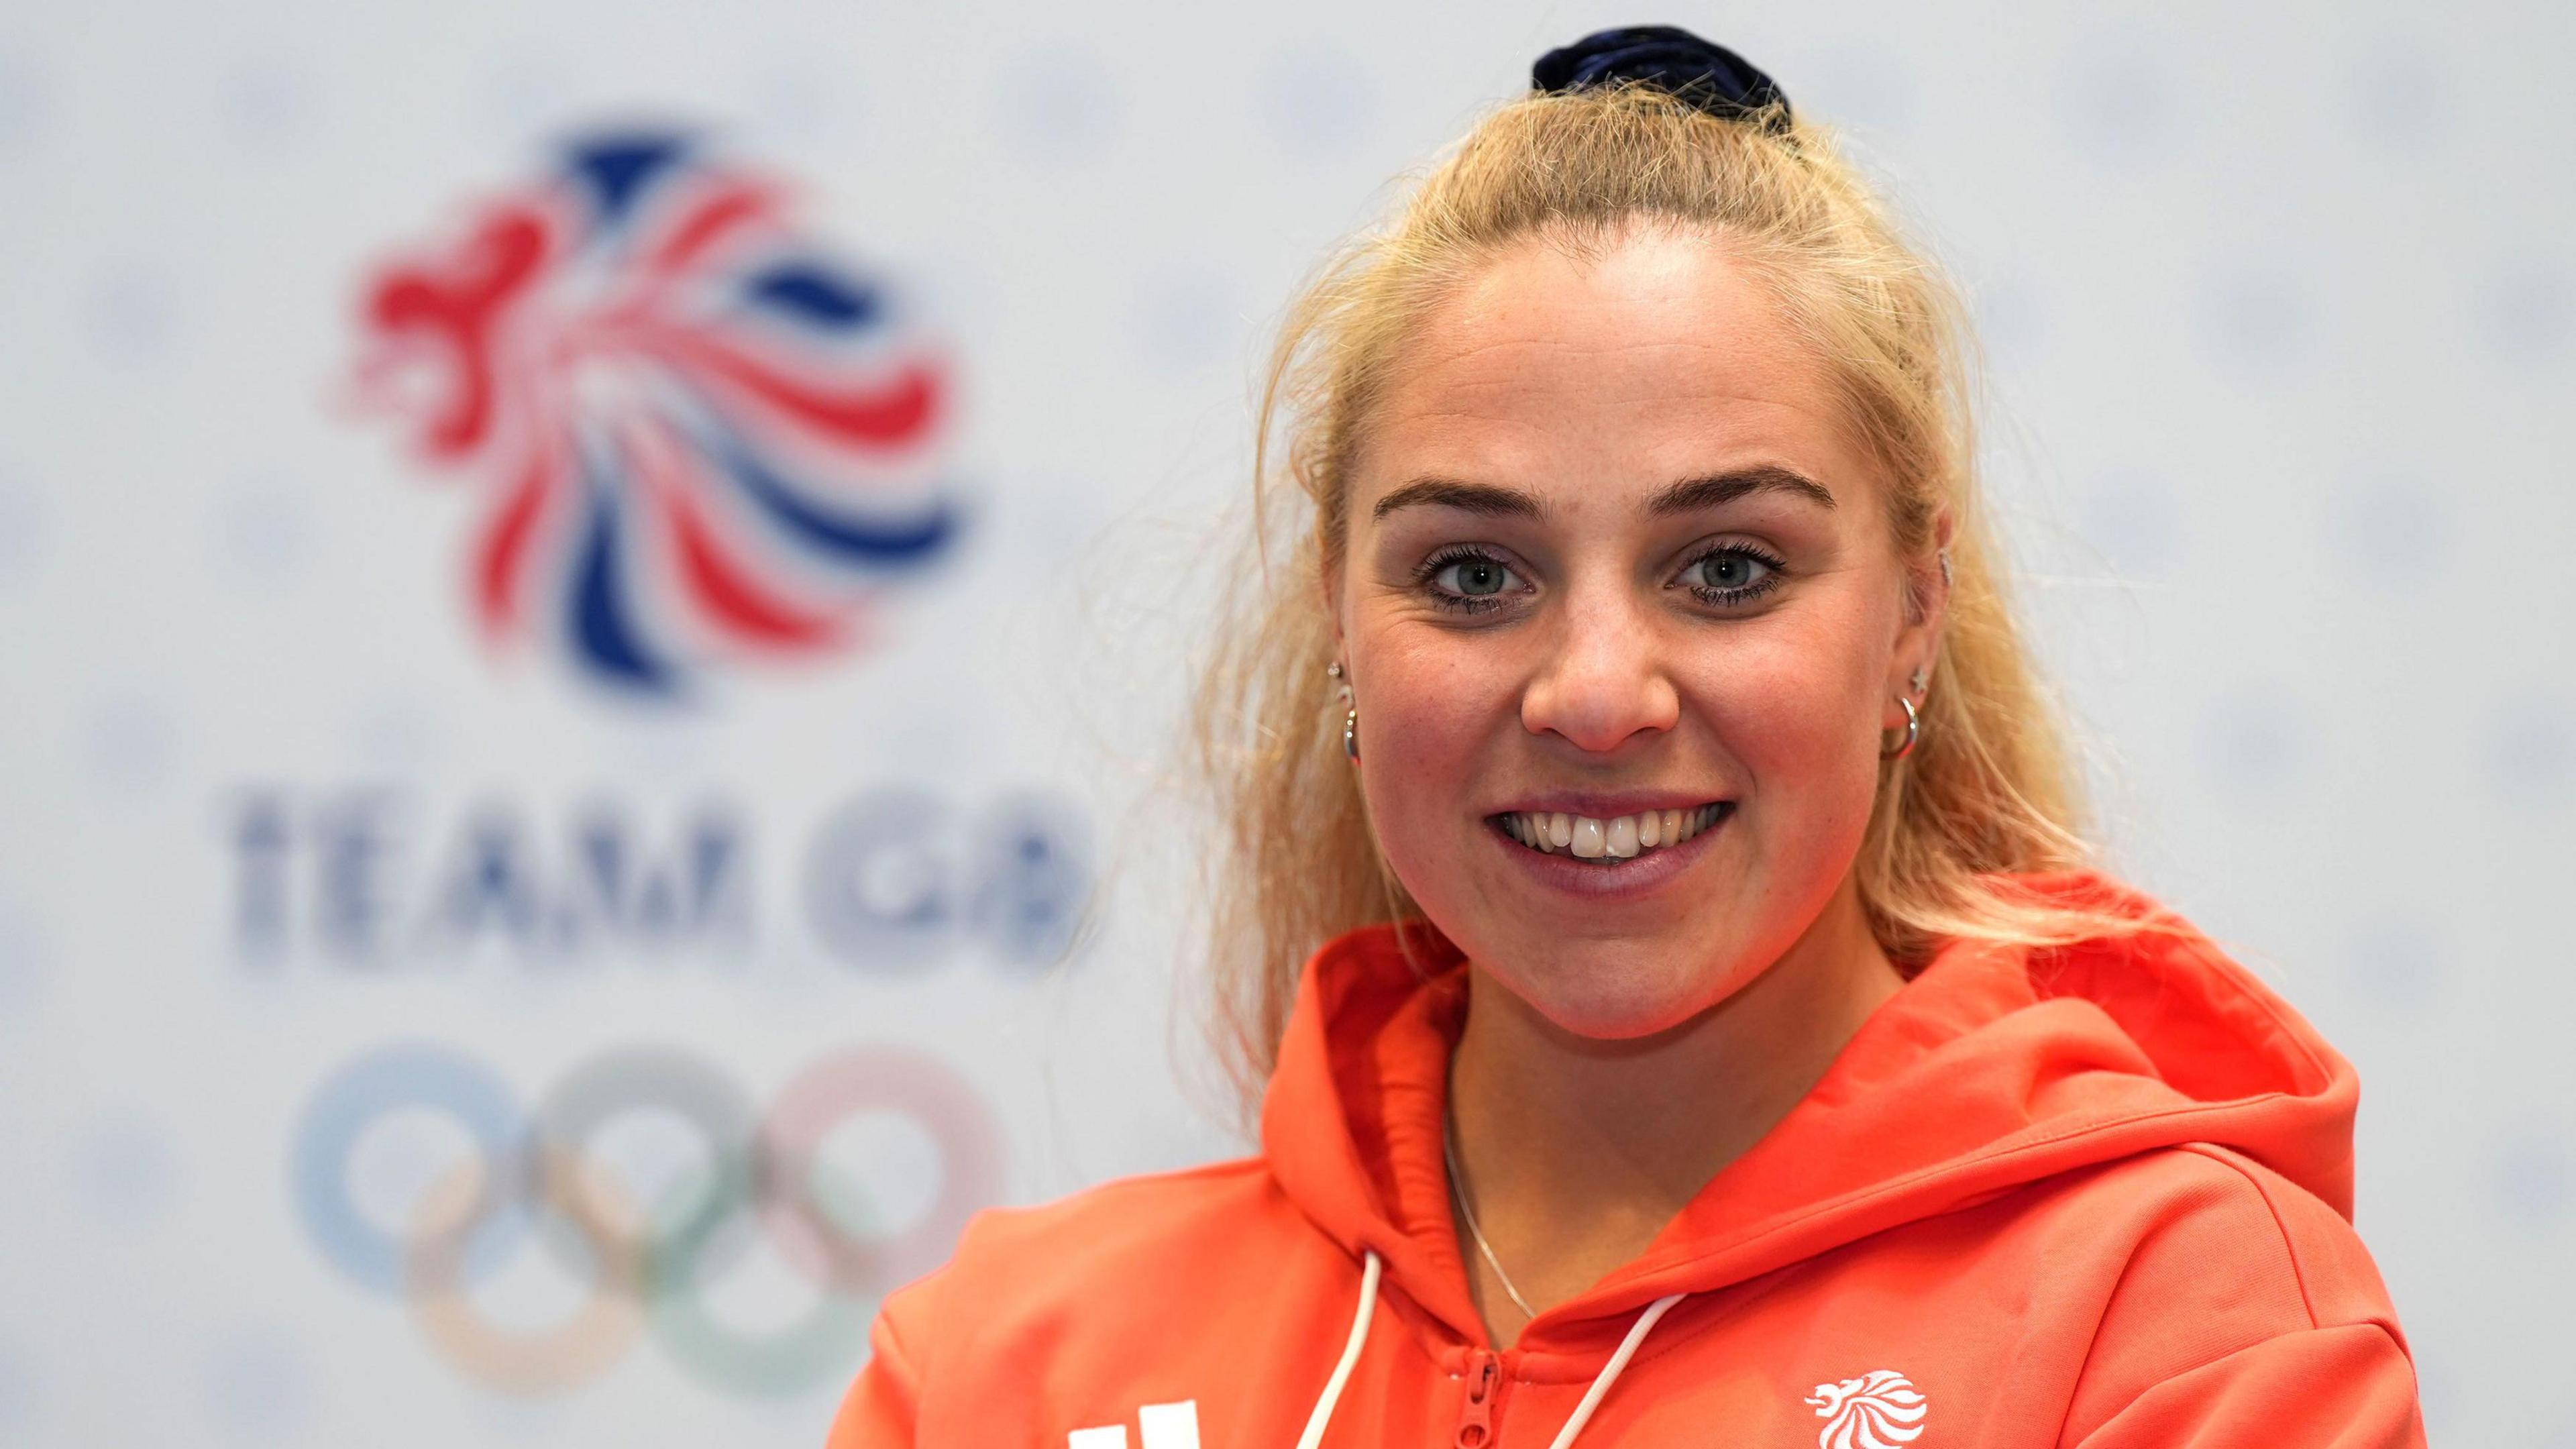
{"points": [[1603, 680]]}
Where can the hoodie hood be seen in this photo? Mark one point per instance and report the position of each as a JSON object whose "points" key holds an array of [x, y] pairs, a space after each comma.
{"points": [[1994, 1067]]}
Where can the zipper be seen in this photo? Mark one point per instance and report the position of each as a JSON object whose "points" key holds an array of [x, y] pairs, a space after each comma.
{"points": [[1476, 1414]]}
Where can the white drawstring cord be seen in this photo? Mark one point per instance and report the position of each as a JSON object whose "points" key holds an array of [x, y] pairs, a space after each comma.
{"points": [[1610, 1371], [1369, 1270], [1323, 1414]]}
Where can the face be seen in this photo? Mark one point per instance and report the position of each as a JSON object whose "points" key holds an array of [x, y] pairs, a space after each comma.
{"points": [[1614, 557]]}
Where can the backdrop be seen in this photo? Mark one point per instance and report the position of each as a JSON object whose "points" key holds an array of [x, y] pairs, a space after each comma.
{"points": [[624, 571]]}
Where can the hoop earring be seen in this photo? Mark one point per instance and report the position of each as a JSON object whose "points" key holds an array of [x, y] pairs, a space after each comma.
{"points": [[1913, 729], [1351, 720]]}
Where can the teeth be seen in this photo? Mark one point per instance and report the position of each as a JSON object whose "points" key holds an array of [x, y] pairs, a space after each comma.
{"points": [[1617, 839]]}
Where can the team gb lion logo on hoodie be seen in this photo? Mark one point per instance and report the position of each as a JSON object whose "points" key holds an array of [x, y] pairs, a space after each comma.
{"points": [[1879, 1410]]}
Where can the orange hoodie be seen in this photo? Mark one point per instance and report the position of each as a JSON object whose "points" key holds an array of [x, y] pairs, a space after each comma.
{"points": [[2097, 1196]]}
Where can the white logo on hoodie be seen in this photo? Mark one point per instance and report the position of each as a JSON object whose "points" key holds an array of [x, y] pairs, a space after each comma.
{"points": [[1878, 1410], [1166, 1426]]}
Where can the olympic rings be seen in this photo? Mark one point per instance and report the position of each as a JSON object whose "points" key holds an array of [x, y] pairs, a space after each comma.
{"points": [[830, 1092], [640, 1078], [350, 1101], [644, 1264], [594, 1338], [825, 1341]]}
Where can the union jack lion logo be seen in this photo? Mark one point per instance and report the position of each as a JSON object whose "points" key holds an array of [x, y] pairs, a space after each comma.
{"points": [[1878, 1410], [701, 434]]}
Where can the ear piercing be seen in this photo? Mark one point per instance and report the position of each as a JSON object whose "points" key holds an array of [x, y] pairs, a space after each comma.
{"points": [[1350, 717], [1913, 720], [1913, 728]]}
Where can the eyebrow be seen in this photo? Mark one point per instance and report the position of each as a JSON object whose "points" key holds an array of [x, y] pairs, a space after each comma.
{"points": [[1696, 493], [1686, 496], [1485, 498]]}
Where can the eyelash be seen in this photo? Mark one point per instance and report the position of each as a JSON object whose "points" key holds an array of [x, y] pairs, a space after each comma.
{"points": [[1459, 602], [1744, 593], [1722, 598]]}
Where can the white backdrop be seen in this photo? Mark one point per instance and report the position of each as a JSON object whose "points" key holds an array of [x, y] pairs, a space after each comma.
{"points": [[2282, 320]]}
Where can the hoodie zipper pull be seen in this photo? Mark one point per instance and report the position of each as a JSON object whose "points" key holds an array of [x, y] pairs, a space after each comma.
{"points": [[1476, 1415]]}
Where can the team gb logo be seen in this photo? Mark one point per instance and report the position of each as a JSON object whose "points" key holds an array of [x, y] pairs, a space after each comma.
{"points": [[1878, 1410], [700, 433]]}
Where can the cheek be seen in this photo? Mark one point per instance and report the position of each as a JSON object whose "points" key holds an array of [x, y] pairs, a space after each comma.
{"points": [[1426, 717], [1431, 715], [1795, 709]]}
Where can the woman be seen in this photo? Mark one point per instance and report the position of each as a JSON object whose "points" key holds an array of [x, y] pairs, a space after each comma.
{"points": [[1682, 1009]]}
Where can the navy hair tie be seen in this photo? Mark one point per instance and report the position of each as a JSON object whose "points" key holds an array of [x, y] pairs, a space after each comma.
{"points": [[1708, 75]]}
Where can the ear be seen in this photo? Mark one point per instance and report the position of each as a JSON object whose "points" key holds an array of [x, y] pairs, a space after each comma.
{"points": [[1927, 608], [1328, 593], [1936, 598]]}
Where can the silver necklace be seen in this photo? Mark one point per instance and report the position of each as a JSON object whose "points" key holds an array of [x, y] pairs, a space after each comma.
{"points": [[1458, 1190]]}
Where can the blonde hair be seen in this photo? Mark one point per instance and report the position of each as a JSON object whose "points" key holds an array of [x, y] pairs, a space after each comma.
{"points": [[1989, 790]]}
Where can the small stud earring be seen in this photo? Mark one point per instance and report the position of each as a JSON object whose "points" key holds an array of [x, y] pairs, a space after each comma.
{"points": [[1334, 669], [1919, 677]]}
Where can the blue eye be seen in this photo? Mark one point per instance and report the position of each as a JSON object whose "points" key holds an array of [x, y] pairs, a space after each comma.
{"points": [[1475, 577], [1469, 581], [1731, 574], [1731, 570]]}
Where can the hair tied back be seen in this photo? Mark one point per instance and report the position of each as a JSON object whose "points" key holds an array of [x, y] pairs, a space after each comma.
{"points": [[1707, 75]]}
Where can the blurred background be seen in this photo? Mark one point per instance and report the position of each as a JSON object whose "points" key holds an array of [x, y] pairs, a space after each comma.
{"points": [[628, 569]]}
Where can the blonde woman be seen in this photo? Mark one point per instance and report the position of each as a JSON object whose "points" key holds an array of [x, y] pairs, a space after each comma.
{"points": [[1652, 908]]}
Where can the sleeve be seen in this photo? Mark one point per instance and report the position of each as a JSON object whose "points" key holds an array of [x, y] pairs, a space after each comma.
{"points": [[2350, 1386], [883, 1404]]}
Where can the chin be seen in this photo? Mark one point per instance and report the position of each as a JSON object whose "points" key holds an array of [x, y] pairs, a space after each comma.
{"points": [[1615, 1000]]}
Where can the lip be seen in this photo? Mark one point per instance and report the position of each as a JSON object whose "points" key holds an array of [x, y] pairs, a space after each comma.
{"points": [[1635, 878], [1607, 804]]}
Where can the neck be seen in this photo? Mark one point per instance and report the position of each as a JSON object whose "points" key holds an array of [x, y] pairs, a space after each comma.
{"points": [[1576, 1152]]}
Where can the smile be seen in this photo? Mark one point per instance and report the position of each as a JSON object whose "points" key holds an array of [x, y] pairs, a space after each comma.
{"points": [[1610, 841]]}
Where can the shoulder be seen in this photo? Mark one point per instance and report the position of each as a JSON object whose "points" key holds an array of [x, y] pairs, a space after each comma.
{"points": [[1145, 1211], [1128, 1240], [2210, 1220], [2219, 1255]]}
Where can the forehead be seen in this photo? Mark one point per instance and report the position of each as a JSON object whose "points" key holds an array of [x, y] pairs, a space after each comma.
{"points": [[1600, 376]]}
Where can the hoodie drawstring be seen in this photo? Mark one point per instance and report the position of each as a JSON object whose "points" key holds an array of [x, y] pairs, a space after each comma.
{"points": [[1369, 1271], [1610, 1371], [1323, 1414]]}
